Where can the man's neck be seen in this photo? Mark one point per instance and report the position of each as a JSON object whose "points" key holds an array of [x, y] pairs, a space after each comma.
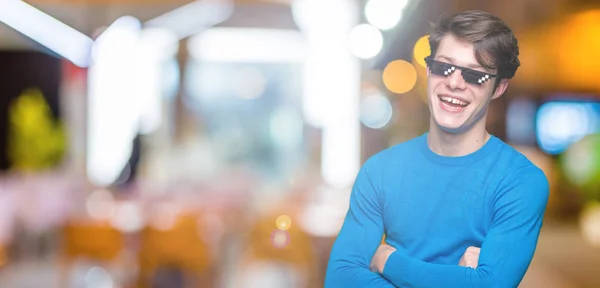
{"points": [[454, 145]]}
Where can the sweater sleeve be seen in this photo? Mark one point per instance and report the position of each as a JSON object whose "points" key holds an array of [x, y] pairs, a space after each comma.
{"points": [[358, 239], [506, 251]]}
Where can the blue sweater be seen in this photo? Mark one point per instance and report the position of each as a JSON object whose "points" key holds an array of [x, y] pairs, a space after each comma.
{"points": [[431, 208]]}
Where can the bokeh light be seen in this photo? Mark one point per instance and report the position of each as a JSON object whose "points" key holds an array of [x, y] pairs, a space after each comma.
{"points": [[365, 41], [422, 50], [164, 216], [283, 222], [399, 76], [128, 217], [384, 14], [375, 111], [280, 239], [100, 205], [589, 222], [581, 165], [561, 123], [97, 277]]}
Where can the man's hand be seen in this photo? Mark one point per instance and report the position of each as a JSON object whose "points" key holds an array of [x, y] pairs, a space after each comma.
{"points": [[470, 258], [381, 256]]}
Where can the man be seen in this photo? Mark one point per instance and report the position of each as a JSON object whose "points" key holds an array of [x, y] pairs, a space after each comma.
{"points": [[442, 195]]}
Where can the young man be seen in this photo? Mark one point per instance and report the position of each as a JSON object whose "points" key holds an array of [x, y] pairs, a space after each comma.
{"points": [[441, 196]]}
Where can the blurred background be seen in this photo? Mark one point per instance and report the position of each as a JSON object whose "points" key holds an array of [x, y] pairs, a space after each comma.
{"points": [[214, 143]]}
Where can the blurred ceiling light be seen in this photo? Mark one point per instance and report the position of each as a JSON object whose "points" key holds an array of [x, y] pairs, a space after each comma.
{"points": [[323, 17], [399, 76], [194, 17], [113, 116], [46, 30], [365, 41], [384, 14], [328, 101], [248, 45], [124, 30], [156, 46], [375, 111], [158, 42]]}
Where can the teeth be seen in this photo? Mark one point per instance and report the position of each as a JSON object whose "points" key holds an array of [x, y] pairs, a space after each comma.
{"points": [[453, 101]]}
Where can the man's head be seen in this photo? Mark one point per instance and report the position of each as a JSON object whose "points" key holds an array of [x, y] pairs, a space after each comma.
{"points": [[473, 55]]}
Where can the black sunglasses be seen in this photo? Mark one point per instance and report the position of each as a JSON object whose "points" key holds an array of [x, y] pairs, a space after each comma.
{"points": [[445, 69]]}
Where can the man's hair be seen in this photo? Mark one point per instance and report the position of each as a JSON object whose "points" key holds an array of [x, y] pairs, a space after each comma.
{"points": [[494, 43]]}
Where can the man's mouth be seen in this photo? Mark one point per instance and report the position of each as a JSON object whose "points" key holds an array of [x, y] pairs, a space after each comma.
{"points": [[453, 102]]}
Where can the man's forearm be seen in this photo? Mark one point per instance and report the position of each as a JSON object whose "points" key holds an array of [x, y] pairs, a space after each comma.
{"points": [[353, 276], [405, 271]]}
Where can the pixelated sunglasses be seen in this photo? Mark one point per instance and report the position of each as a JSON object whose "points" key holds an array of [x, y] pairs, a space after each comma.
{"points": [[445, 69]]}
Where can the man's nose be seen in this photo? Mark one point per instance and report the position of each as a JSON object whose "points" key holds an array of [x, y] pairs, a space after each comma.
{"points": [[456, 81]]}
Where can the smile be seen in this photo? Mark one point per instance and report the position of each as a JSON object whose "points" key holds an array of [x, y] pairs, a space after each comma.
{"points": [[452, 104]]}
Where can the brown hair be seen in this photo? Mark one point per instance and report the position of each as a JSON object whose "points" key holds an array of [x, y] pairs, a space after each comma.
{"points": [[494, 43]]}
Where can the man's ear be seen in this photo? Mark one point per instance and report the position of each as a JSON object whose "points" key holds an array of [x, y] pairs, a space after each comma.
{"points": [[501, 88]]}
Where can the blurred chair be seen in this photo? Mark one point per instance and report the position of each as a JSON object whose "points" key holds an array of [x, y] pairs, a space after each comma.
{"points": [[175, 251], [3, 255], [96, 241], [277, 258]]}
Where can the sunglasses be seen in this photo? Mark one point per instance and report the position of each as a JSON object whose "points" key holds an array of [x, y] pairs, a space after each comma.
{"points": [[445, 69]]}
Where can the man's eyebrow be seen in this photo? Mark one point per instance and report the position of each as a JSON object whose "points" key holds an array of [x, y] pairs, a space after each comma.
{"points": [[451, 60]]}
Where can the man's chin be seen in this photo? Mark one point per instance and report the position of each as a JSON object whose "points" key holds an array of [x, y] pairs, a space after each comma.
{"points": [[451, 128]]}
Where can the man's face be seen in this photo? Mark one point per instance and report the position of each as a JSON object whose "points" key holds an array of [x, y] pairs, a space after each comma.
{"points": [[455, 104]]}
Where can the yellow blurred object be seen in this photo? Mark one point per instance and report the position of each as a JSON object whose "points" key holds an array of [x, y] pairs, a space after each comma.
{"points": [[91, 239], [421, 50], [561, 55], [264, 245], [421, 85], [290, 248], [578, 56], [36, 140], [399, 76], [3, 256], [283, 222], [589, 223]]}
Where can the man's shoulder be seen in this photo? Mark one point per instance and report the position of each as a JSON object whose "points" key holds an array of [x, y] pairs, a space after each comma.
{"points": [[518, 165], [520, 172], [398, 151], [394, 157]]}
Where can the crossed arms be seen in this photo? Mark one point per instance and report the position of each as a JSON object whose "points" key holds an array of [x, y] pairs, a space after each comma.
{"points": [[505, 254]]}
